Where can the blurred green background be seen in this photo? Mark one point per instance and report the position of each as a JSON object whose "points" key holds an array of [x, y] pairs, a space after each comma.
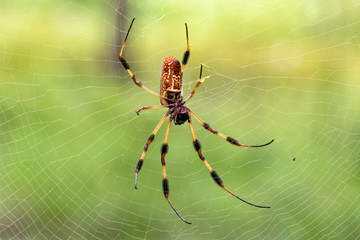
{"points": [[70, 138]]}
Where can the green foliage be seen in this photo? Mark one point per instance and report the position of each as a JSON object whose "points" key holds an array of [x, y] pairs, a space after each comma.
{"points": [[70, 138]]}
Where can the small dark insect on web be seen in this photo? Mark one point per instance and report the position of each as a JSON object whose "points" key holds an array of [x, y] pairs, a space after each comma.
{"points": [[171, 97]]}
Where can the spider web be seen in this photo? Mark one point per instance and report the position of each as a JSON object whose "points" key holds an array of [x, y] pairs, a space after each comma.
{"points": [[70, 138]]}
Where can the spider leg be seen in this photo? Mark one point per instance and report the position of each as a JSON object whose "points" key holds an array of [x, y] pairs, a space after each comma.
{"points": [[197, 85], [150, 107], [214, 175], [165, 182], [187, 52], [127, 67], [150, 139], [227, 138]]}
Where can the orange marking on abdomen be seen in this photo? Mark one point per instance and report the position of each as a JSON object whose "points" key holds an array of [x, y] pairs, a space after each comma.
{"points": [[171, 79]]}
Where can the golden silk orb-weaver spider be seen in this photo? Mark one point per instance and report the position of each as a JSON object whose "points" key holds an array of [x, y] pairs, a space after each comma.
{"points": [[171, 97]]}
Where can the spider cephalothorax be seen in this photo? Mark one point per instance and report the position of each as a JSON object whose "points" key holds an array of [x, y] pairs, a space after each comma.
{"points": [[180, 114], [171, 97]]}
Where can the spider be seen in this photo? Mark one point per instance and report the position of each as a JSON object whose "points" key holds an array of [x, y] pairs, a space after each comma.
{"points": [[171, 97]]}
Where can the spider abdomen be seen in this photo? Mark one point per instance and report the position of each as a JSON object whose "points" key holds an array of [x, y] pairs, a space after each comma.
{"points": [[171, 81]]}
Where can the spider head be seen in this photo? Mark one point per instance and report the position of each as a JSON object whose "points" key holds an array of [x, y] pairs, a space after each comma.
{"points": [[181, 115]]}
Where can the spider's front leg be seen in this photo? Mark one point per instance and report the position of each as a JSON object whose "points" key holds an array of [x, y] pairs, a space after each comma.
{"points": [[227, 138], [165, 182], [148, 142], [213, 174]]}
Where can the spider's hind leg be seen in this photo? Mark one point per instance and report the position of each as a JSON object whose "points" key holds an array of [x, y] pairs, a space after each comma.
{"points": [[127, 66], [150, 107], [187, 52]]}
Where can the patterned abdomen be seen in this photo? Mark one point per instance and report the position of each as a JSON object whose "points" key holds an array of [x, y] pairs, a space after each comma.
{"points": [[171, 80]]}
